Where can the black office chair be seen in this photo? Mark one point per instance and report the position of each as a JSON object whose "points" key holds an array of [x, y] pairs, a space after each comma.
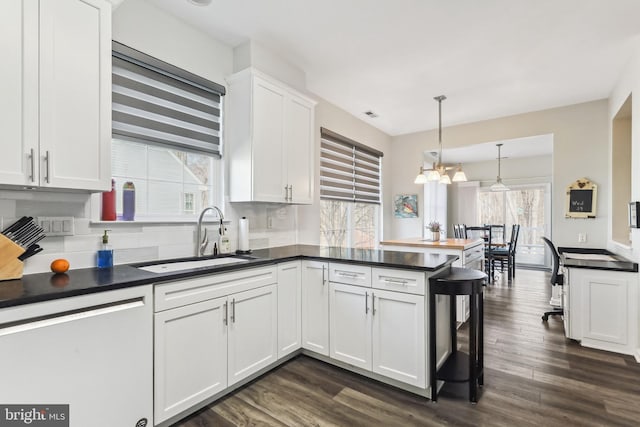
{"points": [[557, 279]]}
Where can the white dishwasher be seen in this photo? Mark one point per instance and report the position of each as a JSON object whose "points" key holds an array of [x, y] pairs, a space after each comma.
{"points": [[91, 352]]}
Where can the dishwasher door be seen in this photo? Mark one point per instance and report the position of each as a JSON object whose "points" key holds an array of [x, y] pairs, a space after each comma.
{"points": [[92, 352]]}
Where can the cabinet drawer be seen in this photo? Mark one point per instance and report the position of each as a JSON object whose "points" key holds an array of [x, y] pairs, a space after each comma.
{"points": [[473, 254], [412, 282], [190, 291], [350, 274]]}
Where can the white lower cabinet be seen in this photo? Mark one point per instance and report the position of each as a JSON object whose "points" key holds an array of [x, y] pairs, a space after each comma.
{"points": [[190, 356], [210, 333], [381, 330], [315, 306], [350, 324], [289, 307], [91, 352], [253, 331], [398, 337], [602, 307]]}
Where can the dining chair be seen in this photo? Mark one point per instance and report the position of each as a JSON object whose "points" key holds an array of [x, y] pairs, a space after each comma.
{"points": [[458, 231], [506, 256], [483, 232], [498, 232]]}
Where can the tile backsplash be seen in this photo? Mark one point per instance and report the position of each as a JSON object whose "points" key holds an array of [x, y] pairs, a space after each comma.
{"points": [[269, 225]]}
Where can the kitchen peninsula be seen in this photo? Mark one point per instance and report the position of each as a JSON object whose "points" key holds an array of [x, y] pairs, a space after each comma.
{"points": [[169, 343], [470, 253]]}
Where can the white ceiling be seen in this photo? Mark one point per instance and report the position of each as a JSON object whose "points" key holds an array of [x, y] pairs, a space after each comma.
{"points": [[491, 58], [531, 146]]}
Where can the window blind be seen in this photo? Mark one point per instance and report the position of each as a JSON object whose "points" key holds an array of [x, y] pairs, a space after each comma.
{"points": [[157, 102], [348, 169]]}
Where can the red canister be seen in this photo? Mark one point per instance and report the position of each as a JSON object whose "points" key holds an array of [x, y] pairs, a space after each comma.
{"points": [[109, 203]]}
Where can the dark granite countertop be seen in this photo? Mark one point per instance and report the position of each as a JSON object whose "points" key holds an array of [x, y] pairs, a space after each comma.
{"points": [[48, 286], [619, 264]]}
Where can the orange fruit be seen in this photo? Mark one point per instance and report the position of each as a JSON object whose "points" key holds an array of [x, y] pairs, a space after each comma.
{"points": [[59, 265]]}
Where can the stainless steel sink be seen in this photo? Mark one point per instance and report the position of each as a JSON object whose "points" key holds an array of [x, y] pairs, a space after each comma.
{"points": [[173, 266]]}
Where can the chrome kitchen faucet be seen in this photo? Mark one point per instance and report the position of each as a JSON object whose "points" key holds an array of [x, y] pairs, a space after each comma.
{"points": [[203, 241]]}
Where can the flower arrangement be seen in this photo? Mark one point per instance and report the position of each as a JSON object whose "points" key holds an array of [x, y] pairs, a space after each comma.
{"points": [[434, 226]]}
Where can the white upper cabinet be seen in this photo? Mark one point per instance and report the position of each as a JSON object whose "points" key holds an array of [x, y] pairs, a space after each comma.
{"points": [[56, 114], [270, 140]]}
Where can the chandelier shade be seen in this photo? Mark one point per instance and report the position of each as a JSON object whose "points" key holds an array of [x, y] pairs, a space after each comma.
{"points": [[438, 173]]}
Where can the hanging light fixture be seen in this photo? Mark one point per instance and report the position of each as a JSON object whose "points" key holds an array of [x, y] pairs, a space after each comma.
{"points": [[499, 186], [421, 178], [438, 172], [459, 176]]}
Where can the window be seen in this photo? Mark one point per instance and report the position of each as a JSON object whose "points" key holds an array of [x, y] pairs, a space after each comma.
{"points": [[349, 192], [166, 128], [189, 205]]}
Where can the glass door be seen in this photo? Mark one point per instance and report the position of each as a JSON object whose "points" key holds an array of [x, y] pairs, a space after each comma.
{"points": [[527, 205]]}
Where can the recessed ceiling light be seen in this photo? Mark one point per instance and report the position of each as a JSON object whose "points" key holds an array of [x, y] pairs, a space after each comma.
{"points": [[200, 2], [371, 114]]}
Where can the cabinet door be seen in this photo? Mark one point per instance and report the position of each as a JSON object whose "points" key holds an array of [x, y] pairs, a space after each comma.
{"points": [[315, 306], [19, 89], [269, 168], [91, 352], [289, 308], [75, 94], [605, 307], [300, 149], [190, 356], [253, 331], [350, 324], [399, 350]]}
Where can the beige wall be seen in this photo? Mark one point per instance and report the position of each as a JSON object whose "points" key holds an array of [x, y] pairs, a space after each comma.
{"points": [[580, 135]]}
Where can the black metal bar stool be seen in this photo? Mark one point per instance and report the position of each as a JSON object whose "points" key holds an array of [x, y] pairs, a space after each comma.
{"points": [[459, 366]]}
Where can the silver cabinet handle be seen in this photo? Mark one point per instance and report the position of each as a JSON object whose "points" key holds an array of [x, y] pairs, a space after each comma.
{"points": [[47, 160], [394, 281], [291, 193], [323, 279], [233, 310], [32, 177], [366, 302], [286, 193], [373, 303], [346, 274], [225, 319]]}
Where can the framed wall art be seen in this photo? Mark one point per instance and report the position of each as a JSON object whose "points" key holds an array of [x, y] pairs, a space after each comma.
{"points": [[405, 206]]}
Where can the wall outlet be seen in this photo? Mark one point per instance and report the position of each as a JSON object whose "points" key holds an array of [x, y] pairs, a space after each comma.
{"points": [[582, 237], [57, 225]]}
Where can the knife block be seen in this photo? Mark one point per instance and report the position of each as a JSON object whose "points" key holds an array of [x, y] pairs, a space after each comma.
{"points": [[10, 266]]}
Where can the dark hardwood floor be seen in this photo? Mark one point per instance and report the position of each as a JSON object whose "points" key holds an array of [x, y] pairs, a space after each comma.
{"points": [[533, 377]]}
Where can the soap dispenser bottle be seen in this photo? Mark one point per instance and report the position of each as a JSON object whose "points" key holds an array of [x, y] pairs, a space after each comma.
{"points": [[105, 254]]}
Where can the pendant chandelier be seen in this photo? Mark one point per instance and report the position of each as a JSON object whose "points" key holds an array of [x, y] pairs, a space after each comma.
{"points": [[499, 186], [438, 172]]}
